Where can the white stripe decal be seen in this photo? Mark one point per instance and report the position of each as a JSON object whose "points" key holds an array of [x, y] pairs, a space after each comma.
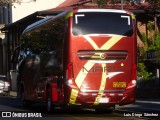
{"points": [[76, 17], [103, 61], [101, 10], [112, 74], [128, 18]]}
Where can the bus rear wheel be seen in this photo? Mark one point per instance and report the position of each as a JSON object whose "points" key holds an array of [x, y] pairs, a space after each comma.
{"points": [[49, 99]]}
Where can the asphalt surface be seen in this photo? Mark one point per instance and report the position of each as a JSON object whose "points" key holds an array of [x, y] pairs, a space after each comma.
{"points": [[142, 109]]}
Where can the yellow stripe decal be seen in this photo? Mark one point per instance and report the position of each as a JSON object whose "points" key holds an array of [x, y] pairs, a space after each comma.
{"points": [[111, 42], [91, 42], [133, 16], [73, 96], [81, 75], [69, 15], [102, 86]]}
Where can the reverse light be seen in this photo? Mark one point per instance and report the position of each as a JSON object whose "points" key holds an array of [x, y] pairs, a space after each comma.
{"points": [[69, 82]]}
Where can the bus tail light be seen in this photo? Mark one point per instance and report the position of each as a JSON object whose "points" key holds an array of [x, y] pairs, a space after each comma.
{"points": [[70, 76], [133, 81], [132, 84]]}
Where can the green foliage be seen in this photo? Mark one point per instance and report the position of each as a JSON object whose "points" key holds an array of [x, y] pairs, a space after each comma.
{"points": [[150, 26], [154, 42], [9, 1], [143, 73], [14, 1], [154, 2], [144, 38], [157, 41], [101, 3]]}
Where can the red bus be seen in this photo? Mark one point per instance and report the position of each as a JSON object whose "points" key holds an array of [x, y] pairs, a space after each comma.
{"points": [[82, 57]]}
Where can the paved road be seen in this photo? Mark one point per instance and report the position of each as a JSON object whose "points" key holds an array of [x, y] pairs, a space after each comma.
{"points": [[129, 112]]}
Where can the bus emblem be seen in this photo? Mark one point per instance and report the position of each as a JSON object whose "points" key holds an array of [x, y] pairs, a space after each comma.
{"points": [[103, 56]]}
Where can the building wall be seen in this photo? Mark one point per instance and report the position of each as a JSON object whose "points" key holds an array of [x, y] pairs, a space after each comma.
{"points": [[25, 8]]}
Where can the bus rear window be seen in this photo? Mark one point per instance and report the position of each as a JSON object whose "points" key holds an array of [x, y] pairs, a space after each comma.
{"points": [[102, 23]]}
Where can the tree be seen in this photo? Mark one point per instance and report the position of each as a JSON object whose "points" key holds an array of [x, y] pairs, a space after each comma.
{"points": [[15, 1], [156, 3], [101, 3]]}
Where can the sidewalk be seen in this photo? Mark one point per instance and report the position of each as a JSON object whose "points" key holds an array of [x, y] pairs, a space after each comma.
{"points": [[142, 106], [151, 101]]}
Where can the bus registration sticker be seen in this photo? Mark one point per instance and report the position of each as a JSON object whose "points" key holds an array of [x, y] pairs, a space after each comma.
{"points": [[103, 100], [119, 84]]}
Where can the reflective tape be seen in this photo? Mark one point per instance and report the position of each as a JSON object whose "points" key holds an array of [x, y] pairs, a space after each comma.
{"points": [[102, 86], [73, 96]]}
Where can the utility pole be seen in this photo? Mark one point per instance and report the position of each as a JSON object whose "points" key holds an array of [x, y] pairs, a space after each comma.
{"points": [[122, 4], [155, 23]]}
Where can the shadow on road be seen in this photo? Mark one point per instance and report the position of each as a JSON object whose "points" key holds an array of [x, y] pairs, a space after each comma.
{"points": [[14, 104]]}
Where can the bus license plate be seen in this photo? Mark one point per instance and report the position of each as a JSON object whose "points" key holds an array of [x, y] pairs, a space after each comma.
{"points": [[103, 100]]}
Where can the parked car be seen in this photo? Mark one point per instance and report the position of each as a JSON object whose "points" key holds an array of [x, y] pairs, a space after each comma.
{"points": [[4, 85]]}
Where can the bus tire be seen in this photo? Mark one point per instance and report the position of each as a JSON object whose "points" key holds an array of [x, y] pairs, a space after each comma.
{"points": [[49, 99]]}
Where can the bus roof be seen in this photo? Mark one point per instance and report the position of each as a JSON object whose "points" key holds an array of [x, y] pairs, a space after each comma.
{"points": [[43, 22], [50, 18]]}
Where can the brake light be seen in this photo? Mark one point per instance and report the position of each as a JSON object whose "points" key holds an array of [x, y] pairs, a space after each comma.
{"points": [[70, 76], [132, 84], [133, 81]]}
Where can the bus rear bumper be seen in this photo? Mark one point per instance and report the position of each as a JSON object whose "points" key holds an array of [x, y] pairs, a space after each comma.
{"points": [[108, 99]]}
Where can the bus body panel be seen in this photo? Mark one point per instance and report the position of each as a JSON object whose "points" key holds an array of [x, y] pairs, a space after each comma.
{"points": [[117, 74], [96, 78]]}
